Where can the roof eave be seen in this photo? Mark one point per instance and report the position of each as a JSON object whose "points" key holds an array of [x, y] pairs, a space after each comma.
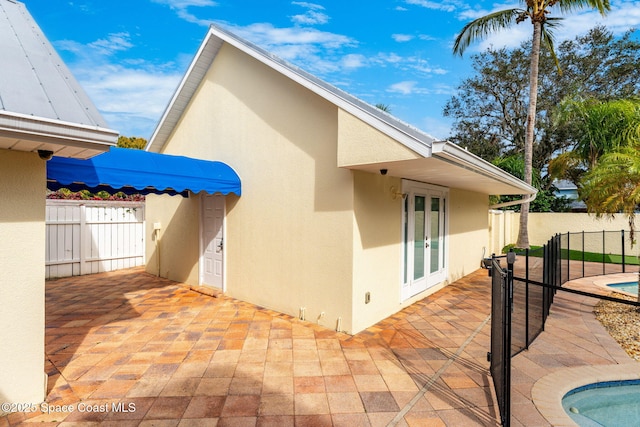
{"points": [[453, 153], [30, 133]]}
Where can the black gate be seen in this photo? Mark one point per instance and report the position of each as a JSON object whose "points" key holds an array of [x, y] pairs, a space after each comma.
{"points": [[500, 355]]}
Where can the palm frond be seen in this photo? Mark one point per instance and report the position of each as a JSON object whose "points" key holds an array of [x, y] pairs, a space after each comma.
{"points": [[567, 6], [614, 185], [548, 38], [484, 26]]}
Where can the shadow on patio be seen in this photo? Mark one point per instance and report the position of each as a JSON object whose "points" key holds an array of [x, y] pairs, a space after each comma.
{"points": [[147, 351]]}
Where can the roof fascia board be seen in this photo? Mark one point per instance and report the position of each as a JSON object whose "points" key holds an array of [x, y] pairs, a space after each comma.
{"points": [[452, 153], [56, 131]]}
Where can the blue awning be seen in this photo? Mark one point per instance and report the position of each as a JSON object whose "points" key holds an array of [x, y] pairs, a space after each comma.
{"points": [[137, 171]]}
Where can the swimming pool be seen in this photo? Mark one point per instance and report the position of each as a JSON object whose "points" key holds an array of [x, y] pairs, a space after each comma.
{"points": [[609, 403], [630, 287]]}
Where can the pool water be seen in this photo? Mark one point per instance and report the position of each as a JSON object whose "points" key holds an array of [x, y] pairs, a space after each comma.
{"points": [[631, 287], [611, 403]]}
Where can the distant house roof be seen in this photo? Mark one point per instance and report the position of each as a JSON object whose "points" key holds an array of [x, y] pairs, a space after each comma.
{"points": [[42, 106], [454, 166]]}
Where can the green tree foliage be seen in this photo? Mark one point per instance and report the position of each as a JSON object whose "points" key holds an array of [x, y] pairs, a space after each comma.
{"points": [[538, 13], [613, 186], [490, 108], [545, 200], [131, 142], [594, 128]]}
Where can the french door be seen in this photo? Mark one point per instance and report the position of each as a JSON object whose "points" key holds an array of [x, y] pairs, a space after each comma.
{"points": [[424, 237]]}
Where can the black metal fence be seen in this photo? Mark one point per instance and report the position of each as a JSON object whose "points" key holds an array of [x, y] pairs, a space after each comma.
{"points": [[522, 294], [500, 355], [539, 272]]}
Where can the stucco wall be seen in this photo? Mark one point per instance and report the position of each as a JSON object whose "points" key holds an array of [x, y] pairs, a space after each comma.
{"points": [[173, 251], [359, 143], [544, 225], [378, 247], [22, 250], [377, 244], [288, 238], [467, 230]]}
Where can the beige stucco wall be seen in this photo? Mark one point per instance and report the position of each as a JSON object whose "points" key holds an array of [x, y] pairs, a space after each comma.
{"points": [[467, 230], [22, 250], [377, 259], [173, 251], [359, 143], [544, 225], [378, 247], [288, 238]]}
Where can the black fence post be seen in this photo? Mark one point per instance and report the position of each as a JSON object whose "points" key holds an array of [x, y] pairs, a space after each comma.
{"points": [[511, 259], [623, 254], [568, 255], [604, 263], [582, 253], [526, 296]]}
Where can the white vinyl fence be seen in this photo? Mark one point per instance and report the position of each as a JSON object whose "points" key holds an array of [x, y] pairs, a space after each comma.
{"points": [[89, 236]]}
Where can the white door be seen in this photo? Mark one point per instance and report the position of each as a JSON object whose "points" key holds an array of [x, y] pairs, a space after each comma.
{"points": [[212, 226], [424, 237]]}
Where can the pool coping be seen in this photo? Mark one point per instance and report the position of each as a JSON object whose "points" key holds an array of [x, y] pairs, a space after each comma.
{"points": [[548, 391], [617, 278]]}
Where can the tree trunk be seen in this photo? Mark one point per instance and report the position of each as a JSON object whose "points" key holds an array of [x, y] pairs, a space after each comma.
{"points": [[523, 232]]}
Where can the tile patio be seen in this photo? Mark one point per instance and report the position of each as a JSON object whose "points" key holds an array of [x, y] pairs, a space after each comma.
{"points": [[127, 348]]}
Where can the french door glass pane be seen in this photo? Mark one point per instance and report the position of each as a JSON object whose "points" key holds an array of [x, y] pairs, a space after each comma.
{"points": [[419, 237], [435, 234]]}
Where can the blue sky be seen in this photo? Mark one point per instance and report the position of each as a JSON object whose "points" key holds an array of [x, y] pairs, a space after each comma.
{"points": [[130, 55]]}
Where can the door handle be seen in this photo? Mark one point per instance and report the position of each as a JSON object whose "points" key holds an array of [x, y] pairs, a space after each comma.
{"points": [[426, 241], [221, 245]]}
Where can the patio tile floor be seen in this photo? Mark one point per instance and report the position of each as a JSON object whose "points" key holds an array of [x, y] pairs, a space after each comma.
{"points": [[128, 348]]}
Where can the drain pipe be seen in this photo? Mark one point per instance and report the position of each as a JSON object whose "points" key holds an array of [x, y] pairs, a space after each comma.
{"points": [[528, 199]]}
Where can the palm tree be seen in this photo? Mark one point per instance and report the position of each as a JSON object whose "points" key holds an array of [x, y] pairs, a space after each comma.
{"points": [[537, 12], [613, 186], [597, 127]]}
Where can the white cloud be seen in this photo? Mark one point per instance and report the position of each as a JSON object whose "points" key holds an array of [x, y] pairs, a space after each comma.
{"points": [[131, 99], [426, 37], [181, 7], [130, 94], [411, 87], [308, 5], [408, 87], [113, 43], [401, 38], [266, 35], [389, 58], [354, 60], [314, 50], [312, 16], [446, 5]]}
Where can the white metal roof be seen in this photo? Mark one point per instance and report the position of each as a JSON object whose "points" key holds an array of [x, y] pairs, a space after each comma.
{"points": [[448, 164], [42, 106]]}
